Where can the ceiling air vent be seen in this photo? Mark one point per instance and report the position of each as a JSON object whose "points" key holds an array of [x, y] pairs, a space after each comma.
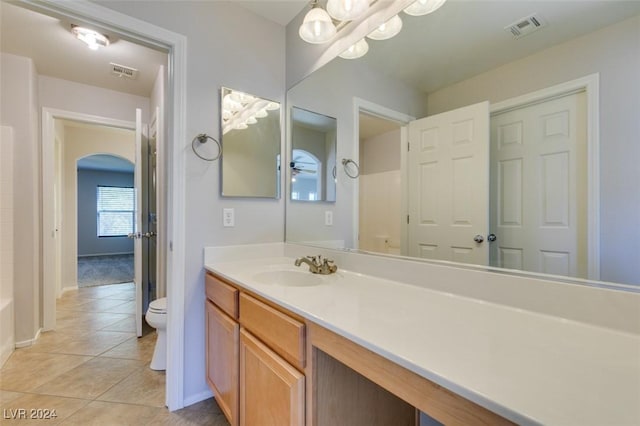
{"points": [[525, 26], [122, 71]]}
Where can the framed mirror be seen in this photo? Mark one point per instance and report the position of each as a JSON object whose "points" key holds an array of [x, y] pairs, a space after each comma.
{"points": [[250, 162], [313, 156], [585, 189]]}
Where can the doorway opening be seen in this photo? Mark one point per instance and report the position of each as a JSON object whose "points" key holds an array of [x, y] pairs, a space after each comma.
{"points": [[380, 184], [106, 219]]}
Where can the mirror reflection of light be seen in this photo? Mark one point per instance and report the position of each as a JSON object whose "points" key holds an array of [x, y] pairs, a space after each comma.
{"points": [[239, 110]]}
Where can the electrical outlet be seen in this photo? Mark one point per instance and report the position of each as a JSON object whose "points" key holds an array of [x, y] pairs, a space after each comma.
{"points": [[328, 218], [228, 218]]}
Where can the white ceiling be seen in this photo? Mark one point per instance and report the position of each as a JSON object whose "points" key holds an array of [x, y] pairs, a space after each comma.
{"points": [[465, 38], [280, 12], [56, 53]]}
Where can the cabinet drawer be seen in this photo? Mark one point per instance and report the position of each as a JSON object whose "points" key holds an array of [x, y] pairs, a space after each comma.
{"points": [[282, 333], [222, 294]]}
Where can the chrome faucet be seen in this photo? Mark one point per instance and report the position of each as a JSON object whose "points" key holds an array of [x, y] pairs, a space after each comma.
{"points": [[318, 264]]}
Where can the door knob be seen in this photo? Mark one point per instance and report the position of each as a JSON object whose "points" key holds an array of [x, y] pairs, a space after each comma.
{"points": [[492, 237], [149, 234], [478, 238], [134, 235]]}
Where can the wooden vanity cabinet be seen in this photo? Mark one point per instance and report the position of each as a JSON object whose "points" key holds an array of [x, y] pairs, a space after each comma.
{"points": [[222, 343], [255, 358], [271, 390]]}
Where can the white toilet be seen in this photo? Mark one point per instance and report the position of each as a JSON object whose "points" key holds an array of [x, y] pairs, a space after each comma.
{"points": [[157, 318]]}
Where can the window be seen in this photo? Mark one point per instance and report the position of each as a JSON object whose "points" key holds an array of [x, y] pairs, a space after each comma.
{"points": [[116, 211]]}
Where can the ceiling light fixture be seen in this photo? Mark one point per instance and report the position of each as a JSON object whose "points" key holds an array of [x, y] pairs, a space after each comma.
{"points": [[93, 39], [317, 26], [347, 10], [423, 7], [357, 50], [386, 30]]}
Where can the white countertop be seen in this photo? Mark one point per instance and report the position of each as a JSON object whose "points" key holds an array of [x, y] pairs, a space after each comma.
{"points": [[526, 366]]}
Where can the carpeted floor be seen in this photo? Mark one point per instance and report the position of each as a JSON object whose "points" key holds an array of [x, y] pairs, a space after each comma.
{"points": [[101, 270]]}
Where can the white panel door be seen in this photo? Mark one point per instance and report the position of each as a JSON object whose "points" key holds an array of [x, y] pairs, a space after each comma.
{"points": [[448, 176], [137, 235], [538, 209]]}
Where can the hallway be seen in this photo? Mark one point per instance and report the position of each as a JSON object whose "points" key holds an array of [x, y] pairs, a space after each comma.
{"points": [[93, 370]]}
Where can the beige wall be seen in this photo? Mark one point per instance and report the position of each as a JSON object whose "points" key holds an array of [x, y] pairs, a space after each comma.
{"points": [[80, 142], [19, 110], [614, 53], [380, 153]]}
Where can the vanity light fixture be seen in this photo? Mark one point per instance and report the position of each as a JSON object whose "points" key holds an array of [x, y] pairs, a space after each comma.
{"points": [[347, 10], [386, 30], [317, 26], [93, 39], [423, 7], [357, 50]]}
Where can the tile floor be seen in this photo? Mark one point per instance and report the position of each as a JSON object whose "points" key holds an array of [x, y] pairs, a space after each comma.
{"points": [[93, 370]]}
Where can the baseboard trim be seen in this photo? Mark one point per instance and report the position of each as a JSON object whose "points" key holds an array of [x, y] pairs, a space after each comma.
{"points": [[194, 399], [29, 342]]}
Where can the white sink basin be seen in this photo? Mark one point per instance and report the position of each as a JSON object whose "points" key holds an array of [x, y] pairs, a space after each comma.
{"points": [[288, 278]]}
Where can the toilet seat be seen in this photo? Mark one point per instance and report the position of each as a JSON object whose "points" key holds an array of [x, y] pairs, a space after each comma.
{"points": [[158, 306]]}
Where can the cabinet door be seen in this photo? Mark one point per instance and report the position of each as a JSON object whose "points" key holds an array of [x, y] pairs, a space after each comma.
{"points": [[271, 390], [222, 336]]}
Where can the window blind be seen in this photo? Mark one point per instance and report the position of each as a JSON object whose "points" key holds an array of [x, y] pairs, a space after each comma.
{"points": [[116, 211]]}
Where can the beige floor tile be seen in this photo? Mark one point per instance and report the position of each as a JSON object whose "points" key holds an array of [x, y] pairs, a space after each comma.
{"points": [[208, 405], [50, 341], [101, 413], [33, 409], [71, 302], [124, 295], [125, 325], [90, 379], [134, 348], [8, 396], [187, 417], [89, 320], [143, 387], [96, 305], [124, 308], [26, 370], [90, 344]]}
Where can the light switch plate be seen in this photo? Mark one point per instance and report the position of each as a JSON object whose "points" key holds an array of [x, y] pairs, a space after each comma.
{"points": [[328, 218], [228, 218]]}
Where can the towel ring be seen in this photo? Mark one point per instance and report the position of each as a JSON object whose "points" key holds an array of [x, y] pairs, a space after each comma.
{"points": [[345, 163], [203, 138]]}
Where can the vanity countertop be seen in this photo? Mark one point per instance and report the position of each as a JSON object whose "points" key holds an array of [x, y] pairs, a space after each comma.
{"points": [[528, 367]]}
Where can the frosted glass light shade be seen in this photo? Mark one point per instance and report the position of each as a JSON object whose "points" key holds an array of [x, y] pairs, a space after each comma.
{"points": [[317, 27], [387, 30], [347, 10], [423, 7], [358, 50]]}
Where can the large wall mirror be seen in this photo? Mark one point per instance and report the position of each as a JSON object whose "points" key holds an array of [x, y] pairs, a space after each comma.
{"points": [[488, 147], [250, 145]]}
